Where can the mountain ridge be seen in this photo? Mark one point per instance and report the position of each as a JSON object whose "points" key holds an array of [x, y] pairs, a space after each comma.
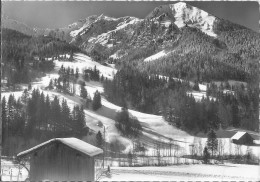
{"points": [[183, 6], [178, 28]]}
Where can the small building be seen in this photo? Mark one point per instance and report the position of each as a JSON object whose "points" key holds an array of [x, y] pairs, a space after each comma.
{"points": [[242, 138], [62, 159]]}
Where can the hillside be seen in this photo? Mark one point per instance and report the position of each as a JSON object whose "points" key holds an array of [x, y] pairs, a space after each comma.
{"points": [[23, 56], [178, 73]]}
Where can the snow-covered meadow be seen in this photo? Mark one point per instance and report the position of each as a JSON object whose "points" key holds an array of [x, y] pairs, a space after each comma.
{"points": [[193, 172], [196, 172], [12, 172]]}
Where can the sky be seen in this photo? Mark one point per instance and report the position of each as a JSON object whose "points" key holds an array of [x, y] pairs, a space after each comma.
{"points": [[51, 14]]}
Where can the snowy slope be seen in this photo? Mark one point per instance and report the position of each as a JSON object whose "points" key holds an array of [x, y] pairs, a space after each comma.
{"points": [[156, 56], [82, 62], [104, 38], [181, 14], [155, 127], [185, 14], [197, 95]]}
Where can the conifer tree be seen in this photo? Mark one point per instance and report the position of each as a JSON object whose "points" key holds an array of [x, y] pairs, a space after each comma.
{"points": [[40, 110], [47, 112], [196, 86], [25, 96], [79, 119], [11, 103], [212, 142], [235, 115], [102, 78], [65, 114], [55, 113], [83, 91], [5, 127], [206, 155], [96, 103], [51, 85], [99, 140], [72, 72]]}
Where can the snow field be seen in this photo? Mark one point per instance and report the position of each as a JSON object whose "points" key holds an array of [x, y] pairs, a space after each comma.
{"points": [[10, 171], [156, 56], [198, 172], [199, 95]]}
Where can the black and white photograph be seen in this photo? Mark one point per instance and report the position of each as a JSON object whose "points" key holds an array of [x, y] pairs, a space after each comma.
{"points": [[130, 91]]}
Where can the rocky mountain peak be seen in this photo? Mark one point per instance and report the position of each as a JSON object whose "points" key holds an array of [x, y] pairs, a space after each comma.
{"points": [[182, 14]]}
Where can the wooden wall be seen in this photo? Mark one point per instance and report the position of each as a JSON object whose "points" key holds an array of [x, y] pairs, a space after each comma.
{"points": [[61, 163]]}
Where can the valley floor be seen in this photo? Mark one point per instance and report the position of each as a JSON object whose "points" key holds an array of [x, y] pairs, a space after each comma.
{"points": [[198, 172]]}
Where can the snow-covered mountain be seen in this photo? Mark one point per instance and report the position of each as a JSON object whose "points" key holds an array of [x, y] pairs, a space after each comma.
{"points": [[182, 14], [175, 36], [161, 26]]}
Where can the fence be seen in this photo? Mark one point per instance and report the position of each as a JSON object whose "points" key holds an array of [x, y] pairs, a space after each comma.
{"points": [[11, 171]]}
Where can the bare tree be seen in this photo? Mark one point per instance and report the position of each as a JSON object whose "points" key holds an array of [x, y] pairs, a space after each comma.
{"points": [[176, 153], [238, 150], [158, 153], [230, 147], [199, 147], [221, 148]]}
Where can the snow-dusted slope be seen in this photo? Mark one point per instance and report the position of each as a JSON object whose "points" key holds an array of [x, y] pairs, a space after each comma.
{"points": [[156, 56], [82, 62], [182, 14], [155, 127], [185, 14], [80, 25], [104, 38]]}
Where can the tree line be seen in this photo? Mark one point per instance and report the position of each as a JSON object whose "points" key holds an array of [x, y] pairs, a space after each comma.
{"points": [[157, 95], [68, 77], [23, 56], [37, 117]]}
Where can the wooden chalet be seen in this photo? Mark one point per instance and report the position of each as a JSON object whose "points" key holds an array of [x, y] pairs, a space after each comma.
{"points": [[62, 159], [242, 138]]}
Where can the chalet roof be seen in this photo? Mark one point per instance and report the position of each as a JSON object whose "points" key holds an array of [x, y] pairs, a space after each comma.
{"points": [[73, 143], [238, 135], [257, 142]]}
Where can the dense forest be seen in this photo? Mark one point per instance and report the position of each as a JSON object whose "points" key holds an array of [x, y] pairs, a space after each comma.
{"points": [[158, 95], [193, 55], [40, 118], [25, 58]]}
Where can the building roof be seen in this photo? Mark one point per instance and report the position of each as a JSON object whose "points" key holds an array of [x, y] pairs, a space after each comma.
{"points": [[73, 143], [257, 142], [238, 135]]}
